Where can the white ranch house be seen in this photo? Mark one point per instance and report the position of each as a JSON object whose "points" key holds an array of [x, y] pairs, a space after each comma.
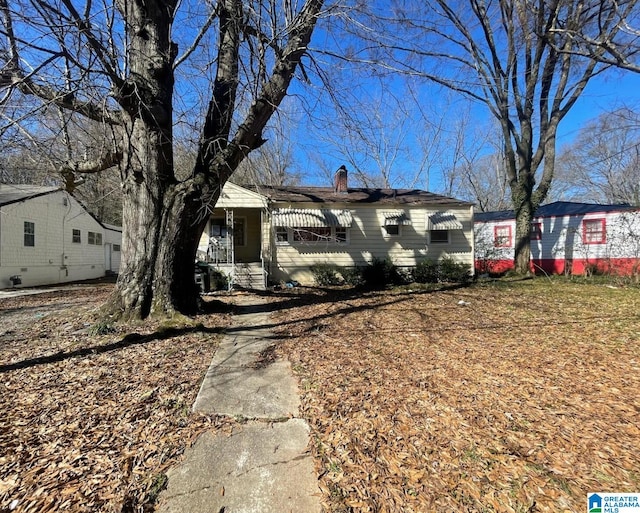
{"points": [[567, 237], [262, 235], [48, 237]]}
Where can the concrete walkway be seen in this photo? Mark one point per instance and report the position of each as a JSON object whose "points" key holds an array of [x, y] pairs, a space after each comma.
{"points": [[264, 466]]}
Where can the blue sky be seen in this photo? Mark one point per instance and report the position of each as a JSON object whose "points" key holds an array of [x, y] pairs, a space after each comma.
{"points": [[606, 92], [318, 150]]}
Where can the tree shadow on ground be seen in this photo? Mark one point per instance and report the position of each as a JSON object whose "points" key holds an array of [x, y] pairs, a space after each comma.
{"points": [[319, 295], [131, 339]]}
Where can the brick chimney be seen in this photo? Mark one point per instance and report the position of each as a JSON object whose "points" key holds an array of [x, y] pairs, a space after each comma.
{"points": [[340, 180]]}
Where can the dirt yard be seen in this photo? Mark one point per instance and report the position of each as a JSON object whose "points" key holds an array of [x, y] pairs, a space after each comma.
{"points": [[515, 397], [506, 397]]}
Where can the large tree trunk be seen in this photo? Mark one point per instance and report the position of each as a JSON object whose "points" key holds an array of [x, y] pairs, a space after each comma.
{"points": [[521, 196], [159, 247], [163, 218], [152, 205], [522, 256]]}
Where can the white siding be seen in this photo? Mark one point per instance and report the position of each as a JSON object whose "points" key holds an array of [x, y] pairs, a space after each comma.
{"points": [[234, 196], [485, 248], [54, 258], [562, 238], [113, 246], [368, 239]]}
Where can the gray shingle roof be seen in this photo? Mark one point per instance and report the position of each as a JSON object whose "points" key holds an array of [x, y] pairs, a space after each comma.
{"points": [[557, 209], [12, 193], [354, 195]]}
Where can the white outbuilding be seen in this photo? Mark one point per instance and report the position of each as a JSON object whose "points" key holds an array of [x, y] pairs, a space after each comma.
{"points": [[48, 237]]}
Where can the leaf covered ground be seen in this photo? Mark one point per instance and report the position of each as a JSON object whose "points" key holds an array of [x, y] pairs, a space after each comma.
{"points": [[506, 397], [521, 396], [92, 415]]}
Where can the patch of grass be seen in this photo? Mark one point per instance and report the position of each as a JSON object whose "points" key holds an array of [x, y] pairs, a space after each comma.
{"points": [[101, 328]]}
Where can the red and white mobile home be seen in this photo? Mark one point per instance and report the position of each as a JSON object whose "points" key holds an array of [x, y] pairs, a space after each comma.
{"points": [[566, 237]]}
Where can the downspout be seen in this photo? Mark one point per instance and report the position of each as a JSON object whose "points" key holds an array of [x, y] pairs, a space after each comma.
{"points": [[63, 265], [473, 244]]}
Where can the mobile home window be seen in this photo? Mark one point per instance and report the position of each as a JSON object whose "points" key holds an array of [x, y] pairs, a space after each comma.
{"points": [[439, 236], [29, 234], [594, 231], [75, 236], [536, 231], [502, 236]]}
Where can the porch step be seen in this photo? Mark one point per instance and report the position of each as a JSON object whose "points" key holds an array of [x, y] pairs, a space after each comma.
{"points": [[249, 276]]}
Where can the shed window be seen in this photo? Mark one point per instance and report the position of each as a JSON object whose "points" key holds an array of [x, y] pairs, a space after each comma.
{"points": [[29, 234], [594, 231], [75, 236], [536, 231], [116, 248], [502, 236], [439, 236], [94, 238]]}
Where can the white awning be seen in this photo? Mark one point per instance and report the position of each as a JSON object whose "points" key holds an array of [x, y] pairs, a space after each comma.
{"points": [[443, 221], [304, 217], [396, 219]]}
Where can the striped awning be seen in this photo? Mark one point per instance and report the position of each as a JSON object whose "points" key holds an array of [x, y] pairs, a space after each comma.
{"points": [[304, 217], [443, 221], [396, 219]]}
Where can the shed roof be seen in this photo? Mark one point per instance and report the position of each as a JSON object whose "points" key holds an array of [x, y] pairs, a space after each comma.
{"points": [[406, 197], [557, 209], [12, 193]]}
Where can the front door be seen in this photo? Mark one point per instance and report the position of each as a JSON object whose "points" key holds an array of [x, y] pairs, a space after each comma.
{"points": [[235, 236]]}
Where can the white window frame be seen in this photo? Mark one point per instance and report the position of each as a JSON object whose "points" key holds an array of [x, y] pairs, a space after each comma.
{"points": [[331, 237], [94, 238], [29, 239]]}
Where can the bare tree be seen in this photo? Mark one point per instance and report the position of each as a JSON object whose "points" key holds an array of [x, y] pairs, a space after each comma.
{"points": [[510, 56], [602, 165], [272, 163], [611, 36], [119, 65]]}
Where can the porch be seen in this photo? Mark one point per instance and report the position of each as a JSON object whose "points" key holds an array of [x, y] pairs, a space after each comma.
{"points": [[232, 244]]}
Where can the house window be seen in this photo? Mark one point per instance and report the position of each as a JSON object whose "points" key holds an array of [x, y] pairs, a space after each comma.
{"points": [[282, 234], [439, 236], [29, 234], [536, 231], [392, 229], [94, 238], [75, 236], [116, 247], [341, 235], [312, 234], [594, 231], [502, 236]]}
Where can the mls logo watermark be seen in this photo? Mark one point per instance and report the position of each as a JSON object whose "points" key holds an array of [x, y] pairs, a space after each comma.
{"points": [[613, 502]]}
